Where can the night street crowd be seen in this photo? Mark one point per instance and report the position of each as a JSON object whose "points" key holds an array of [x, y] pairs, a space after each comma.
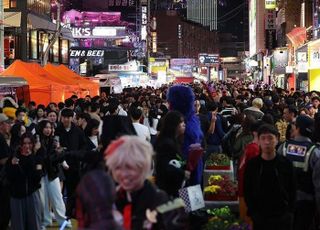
{"points": [[117, 161]]}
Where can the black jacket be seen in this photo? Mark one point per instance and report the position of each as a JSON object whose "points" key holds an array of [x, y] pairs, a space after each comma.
{"points": [[74, 141], [115, 126], [51, 159], [269, 187], [166, 151], [149, 197], [24, 178]]}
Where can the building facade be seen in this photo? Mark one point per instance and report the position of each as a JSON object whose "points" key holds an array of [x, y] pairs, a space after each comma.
{"points": [[28, 30], [203, 12], [194, 38]]}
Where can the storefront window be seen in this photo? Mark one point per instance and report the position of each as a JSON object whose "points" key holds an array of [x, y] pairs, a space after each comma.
{"points": [[13, 3], [56, 51], [43, 42], [6, 4], [33, 45], [28, 45], [64, 51], [40, 7]]}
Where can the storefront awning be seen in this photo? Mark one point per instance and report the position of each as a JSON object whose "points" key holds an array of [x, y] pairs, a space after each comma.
{"points": [[297, 36], [184, 80], [44, 24], [12, 19], [66, 34]]}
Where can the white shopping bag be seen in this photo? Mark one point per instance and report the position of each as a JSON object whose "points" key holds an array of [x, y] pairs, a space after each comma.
{"points": [[192, 197]]}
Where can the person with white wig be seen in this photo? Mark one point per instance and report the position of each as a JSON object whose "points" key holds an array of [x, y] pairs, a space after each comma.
{"points": [[129, 160]]}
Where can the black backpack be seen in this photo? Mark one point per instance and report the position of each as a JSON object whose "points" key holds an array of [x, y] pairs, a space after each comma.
{"points": [[229, 139]]}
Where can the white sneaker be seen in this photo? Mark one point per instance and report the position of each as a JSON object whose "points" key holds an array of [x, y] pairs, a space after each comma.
{"points": [[66, 224]]}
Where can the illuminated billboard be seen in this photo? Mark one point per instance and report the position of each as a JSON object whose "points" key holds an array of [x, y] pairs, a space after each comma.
{"points": [[252, 27]]}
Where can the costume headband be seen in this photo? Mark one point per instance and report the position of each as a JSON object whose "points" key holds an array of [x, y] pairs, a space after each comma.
{"points": [[114, 145]]}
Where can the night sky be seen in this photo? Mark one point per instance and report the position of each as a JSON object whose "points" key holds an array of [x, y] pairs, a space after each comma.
{"points": [[234, 22]]}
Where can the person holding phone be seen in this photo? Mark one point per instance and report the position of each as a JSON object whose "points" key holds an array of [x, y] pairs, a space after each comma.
{"points": [[50, 184], [24, 171]]}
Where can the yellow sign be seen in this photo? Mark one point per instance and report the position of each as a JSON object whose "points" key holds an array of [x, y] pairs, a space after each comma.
{"points": [[270, 4]]}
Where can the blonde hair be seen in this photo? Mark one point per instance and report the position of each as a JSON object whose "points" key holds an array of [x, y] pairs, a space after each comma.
{"points": [[257, 102], [130, 150]]}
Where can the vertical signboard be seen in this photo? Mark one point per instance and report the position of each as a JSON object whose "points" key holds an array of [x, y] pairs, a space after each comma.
{"points": [[252, 27], [270, 27], [144, 22], [154, 41]]}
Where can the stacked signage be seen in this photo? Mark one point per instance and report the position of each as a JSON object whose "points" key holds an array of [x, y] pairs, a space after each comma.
{"points": [[270, 23]]}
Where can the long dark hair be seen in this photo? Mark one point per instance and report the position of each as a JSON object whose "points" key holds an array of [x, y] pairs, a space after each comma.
{"points": [[27, 135], [316, 133], [169, 125], [92, 124], [42, 125], [15, 135], [152, 115]]}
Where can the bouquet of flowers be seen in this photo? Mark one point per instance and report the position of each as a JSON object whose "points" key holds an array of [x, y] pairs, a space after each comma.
{"points": [[221, 188], [223, 219], [218, 162]]}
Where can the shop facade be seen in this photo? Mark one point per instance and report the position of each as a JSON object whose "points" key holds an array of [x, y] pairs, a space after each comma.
{"points": [[302, 68], [314, 65], [280, 62], [100, 39], [28, 30]]}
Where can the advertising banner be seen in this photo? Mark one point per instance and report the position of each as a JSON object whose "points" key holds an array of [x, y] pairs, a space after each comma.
{"points": [[314, 55], [183, 65], [270, 4], [209, 59], [280, 61]]}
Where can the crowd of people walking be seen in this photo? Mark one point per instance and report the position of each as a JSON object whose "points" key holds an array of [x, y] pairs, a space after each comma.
{"points": [[113, 161]]}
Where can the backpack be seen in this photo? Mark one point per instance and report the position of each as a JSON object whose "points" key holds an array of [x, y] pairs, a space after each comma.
{"points": [[229, 139]]}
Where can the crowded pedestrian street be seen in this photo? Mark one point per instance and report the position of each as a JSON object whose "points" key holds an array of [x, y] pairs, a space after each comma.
{"points": [[159, 114]]}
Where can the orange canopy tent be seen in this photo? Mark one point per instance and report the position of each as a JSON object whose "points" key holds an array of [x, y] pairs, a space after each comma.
{"points": [[85, 83], [83, 89], [68, 87], [42, 90]]}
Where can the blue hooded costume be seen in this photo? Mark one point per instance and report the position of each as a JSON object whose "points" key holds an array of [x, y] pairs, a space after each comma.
{"points": [[181, 98]]}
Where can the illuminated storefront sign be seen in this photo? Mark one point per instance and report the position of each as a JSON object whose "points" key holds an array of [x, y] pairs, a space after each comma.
{"points": [[179, 31], [270, 4], [98, 32], [144, 22], [122, 68], [314, 55], [104, 31], [86, 53], [280, 61], [81, 32], [154, 41], [209, 59]]}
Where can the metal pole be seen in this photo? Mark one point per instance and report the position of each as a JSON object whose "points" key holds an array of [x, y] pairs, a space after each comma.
{"points": [[55, 36], [1, 37], [209, 73]]}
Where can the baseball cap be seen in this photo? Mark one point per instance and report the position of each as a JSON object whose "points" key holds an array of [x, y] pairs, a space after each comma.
{"points": [[3, 117]]}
